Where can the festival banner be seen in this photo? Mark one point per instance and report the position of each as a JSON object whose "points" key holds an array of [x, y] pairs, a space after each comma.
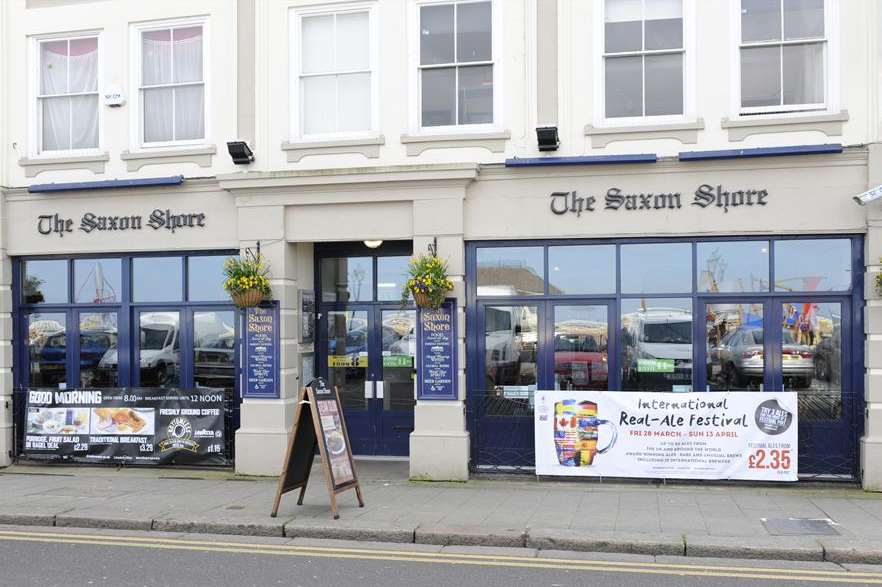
{"points": [[126, 425], [713, 435]]}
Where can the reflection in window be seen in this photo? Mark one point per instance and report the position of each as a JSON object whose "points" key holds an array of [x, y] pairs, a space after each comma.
{"points": [[47, 349], [347, 279], [811, 357], [348, 357], [392, 274], [214, 349], [733, 266], [510, 359], [205, 279], [735, 347], [657, 268], [97, 281], [582, 269], [813, 265], [159, 346], [399, 350], [581, 339], [157, 279], [656, 339], [44, 282], [511, 271], [99, 355]]}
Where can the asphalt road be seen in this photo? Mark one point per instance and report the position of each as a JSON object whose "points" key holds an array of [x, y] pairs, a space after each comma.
{"points": [[46, 557]]}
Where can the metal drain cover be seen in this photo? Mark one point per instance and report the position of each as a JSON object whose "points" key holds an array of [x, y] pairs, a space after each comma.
{"points": [[800, 526]]}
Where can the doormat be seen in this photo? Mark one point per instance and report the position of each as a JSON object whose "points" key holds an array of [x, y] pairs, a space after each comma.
{"points": [[800, 526]]}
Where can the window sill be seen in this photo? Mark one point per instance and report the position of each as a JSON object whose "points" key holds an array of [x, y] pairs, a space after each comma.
{"points": [[493, 141], [745, 126], [34, 166], [685, 132], [367, 146], [201, 156]]}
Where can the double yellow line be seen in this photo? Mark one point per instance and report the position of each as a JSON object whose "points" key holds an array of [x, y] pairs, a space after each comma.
{"points": [[484, 560]]}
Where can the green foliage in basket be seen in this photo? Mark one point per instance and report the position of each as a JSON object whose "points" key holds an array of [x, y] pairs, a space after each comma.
{"points": [[243, 274], [427, 275]]}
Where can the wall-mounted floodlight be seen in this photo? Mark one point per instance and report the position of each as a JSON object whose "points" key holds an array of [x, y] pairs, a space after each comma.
{"points": [[240, 152]]}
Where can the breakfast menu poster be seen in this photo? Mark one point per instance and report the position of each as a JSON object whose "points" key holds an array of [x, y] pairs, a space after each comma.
{"points": [[126, 426]]}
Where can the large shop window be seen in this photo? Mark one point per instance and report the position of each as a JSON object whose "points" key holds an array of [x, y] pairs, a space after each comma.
{"points": [[152, 321], [643, 58], [335, 73], [783, 54], [456, 64], [172, 84], [67, 98], [674, 316]]}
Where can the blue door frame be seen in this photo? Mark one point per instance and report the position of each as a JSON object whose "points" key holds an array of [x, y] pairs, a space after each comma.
{"points": [[375, 430], [508, 442]]}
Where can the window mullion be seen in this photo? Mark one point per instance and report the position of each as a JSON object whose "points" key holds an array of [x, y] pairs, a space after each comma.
{"points": [[171, 57], [70, 123], [781, 73], [455, 68]]}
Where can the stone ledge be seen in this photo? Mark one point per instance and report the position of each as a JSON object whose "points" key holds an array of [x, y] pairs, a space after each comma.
{"points": [[34, 166], [470, 536], [685, 132], [591, 541], [493, 141], [201, 156], [741, 128], [367, 146]]}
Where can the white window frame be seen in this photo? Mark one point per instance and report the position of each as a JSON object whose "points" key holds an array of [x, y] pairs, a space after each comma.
{"points": [[137, 115], [415, 85], [35, 118], [295, 23], [689, 89], [831, 66]]}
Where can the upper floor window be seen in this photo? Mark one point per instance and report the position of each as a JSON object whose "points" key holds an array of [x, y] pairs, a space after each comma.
{"points": [[783, 48], [67, 97], [643, 58], [456, 69], [335, 73], [172, 84]]}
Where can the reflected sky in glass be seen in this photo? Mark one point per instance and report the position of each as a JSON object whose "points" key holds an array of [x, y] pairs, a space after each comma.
{"points": [[657, 268], [813, 265], [582, 269], [97, 281], [45, 282], [733, 266], [206, 279], [157, 279], [510, 271]]}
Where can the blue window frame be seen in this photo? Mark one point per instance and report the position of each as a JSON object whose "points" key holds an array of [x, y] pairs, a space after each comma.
{"points": [[114, 297]]}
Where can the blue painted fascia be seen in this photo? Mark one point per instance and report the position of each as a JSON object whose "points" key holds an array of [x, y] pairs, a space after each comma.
{"points": [[586, 160], [761, 152], [106, 184]]}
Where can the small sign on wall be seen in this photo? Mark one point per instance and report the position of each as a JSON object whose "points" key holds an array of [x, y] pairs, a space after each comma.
{"points": [[261, 341], [436, 348]]}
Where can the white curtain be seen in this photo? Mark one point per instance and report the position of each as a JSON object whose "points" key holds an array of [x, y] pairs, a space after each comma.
{"points": [[173, 57], [189, 100], [69, 67], [803, 73]]}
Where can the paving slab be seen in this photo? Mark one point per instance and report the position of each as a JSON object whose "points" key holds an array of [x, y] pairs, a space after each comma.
{"points": [[841, 549], [588, 541], [757, 547], [470, 536]]}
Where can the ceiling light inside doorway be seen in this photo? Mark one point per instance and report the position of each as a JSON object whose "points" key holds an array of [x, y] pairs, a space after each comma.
{"points": [[372, 244]]}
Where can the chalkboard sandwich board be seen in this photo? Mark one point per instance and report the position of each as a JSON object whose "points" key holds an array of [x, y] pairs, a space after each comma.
{"points": [[318, 421]]}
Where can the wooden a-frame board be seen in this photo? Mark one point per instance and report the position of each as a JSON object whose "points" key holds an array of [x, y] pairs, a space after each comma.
{"points": [[318, 420]]}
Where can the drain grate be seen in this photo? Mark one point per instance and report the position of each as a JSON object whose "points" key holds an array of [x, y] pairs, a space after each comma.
{"points": [[800, 526]]}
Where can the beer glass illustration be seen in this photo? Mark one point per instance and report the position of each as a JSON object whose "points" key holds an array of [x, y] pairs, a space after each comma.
{"points": [[576, 432]]}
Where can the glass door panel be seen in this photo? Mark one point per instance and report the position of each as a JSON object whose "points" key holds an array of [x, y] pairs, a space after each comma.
{"points": [[214, 349], [511, 340], [735, 346], [656, 347], [398, 332], [47, 349], [811, 357], [159, 348], [347, 340], [581, 347], [98, 349]]}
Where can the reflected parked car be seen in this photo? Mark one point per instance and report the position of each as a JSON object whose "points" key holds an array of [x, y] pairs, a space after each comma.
{"points": [[658, 349], [214, 360], [579, 362], [740, 359]]}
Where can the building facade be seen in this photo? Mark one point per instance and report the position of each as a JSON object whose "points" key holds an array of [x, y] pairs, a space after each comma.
{"points": [[684, 223]]}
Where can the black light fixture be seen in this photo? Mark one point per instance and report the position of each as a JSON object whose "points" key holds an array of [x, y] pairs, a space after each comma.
{"points": [[240, 152], [546, 137]]}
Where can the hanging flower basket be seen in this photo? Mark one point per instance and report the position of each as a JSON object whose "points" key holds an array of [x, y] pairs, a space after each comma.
{"points": [[428, 282], [247, 280]]}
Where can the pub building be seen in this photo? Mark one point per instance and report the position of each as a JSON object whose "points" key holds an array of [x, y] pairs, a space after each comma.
{"points": [[592, 244]]}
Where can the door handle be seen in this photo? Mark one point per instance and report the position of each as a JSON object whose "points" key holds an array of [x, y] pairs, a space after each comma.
{"points": [[379, 390], [368, 389]]}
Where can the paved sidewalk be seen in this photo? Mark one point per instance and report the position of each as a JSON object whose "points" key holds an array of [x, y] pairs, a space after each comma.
{"points": [[695, 520]]}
